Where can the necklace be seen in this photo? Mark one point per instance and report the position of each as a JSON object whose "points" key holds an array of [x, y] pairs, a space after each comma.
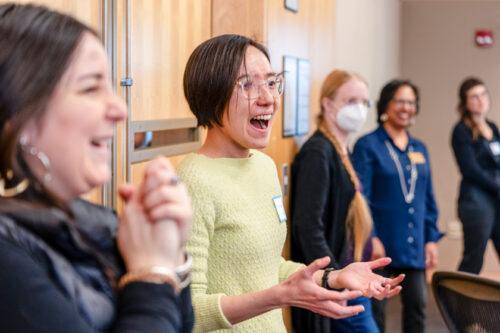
{"points": [[409, 195]]}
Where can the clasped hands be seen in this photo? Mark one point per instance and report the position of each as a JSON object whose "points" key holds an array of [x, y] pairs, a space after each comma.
{"points": [[156, 219], [303, 288]]}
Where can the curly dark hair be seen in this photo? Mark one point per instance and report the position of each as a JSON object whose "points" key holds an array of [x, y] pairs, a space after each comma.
{"points": [[387, 94]]}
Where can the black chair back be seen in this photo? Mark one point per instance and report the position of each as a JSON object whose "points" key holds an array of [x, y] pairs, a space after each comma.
{"points": [[467, 302]]}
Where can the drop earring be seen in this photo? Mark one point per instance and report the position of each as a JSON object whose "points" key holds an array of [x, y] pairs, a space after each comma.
{"points": [[384, 117], [39, 155]]}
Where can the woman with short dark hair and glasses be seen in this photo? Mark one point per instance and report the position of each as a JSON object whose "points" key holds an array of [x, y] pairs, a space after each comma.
{"points": [[67, 265], [240, 281], [476, 144], [395, 173]]}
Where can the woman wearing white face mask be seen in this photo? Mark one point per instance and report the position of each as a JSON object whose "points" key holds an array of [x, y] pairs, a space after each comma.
{"points": [[329, 214]]}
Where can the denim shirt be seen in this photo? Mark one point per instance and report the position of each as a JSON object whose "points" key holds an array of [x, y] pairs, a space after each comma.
{"points": [[403, 226]]}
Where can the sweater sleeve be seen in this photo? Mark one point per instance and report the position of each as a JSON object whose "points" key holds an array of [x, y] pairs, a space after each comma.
{"points": [[30, 301], [207, 308], [310, 199], [462, 144]]}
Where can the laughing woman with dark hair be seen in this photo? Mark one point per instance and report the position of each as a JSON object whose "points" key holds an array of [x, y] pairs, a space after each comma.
{"points": [[476, 144], [60, 267]]}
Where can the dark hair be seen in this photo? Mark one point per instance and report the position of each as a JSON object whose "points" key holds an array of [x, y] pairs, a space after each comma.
{"points": [[211, 73], [387, 94], [36, 47], [466, 85]]}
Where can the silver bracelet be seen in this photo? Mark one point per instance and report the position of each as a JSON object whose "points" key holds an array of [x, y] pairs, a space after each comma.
{"points": [[183, 271]]}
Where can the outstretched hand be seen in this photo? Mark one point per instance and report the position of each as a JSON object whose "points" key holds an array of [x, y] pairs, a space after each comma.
{"points": [[360, 276], [301, 290]]}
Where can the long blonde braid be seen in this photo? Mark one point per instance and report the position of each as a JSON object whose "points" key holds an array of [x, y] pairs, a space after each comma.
{"points": [[359, 220]]}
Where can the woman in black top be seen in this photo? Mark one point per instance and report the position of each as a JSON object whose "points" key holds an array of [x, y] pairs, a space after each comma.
{"points": [[476, 144], [60, 268], [329, 214]]}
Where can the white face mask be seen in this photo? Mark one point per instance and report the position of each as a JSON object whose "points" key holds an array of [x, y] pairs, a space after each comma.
{"points": [[351, 117]]}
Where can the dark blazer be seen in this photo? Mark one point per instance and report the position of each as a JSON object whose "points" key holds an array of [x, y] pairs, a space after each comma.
{"points": [[479, 166], [321, 194]]}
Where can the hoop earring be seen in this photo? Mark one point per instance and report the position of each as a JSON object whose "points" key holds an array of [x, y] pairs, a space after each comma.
{"points": [[39, 155], [15, 190], [384, 117]]}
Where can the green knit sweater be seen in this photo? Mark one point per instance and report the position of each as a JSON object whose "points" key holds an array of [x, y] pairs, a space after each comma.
{"points": [[237, 236]]}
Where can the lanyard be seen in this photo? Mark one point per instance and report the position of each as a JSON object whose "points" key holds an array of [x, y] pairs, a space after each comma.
{"points": [[409, 195]]}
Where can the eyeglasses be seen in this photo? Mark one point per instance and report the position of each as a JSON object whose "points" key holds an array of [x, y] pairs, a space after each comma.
{"points": [[402, 102], [250, 89], [479, 96]]}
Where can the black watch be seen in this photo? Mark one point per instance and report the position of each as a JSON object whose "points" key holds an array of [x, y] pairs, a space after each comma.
{"points": [[324, 280]]}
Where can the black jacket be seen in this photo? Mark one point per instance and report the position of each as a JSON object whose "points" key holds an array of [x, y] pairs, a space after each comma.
{"points": [[479, 166], [321, 194], [57, 274]]}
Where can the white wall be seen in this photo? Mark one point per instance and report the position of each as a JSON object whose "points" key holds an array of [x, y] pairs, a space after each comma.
{"points": [[438, 51], [367, 40]]}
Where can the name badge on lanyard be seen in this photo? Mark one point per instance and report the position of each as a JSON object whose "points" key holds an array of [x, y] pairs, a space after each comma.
{"points": [[495, 148], [416, 157], [280, 208]]}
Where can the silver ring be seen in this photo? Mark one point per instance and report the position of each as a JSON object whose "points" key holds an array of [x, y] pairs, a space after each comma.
{"points": [[175, 180]]}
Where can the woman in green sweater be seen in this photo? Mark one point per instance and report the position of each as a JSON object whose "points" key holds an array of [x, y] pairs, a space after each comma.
{"points": [[240, 280]]}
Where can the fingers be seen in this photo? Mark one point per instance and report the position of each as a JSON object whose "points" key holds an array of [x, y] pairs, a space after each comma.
{"points": [[163, 194], [337, 311], [431, 259], [382, 292], [163, 198], [158, 171], [394, 291], [317, 265], [336, 296], [126, 191], [347, 295], [396, 281], [375, 264], [388, 288], [173, 212]]}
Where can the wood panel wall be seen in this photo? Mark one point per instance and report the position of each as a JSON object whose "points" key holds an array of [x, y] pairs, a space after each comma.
{"points": [[87, 11], [164, 34]]}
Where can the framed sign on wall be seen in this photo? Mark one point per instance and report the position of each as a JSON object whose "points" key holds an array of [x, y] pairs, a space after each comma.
{"points": [[296, 96], [290, 96]]}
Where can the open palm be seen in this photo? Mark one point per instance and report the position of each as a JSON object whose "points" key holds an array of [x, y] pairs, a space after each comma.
{"points": [[360, 276]]}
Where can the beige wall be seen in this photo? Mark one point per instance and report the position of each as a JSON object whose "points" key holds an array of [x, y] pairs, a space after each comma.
{"points": [[437, 53], [367, 39]]}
